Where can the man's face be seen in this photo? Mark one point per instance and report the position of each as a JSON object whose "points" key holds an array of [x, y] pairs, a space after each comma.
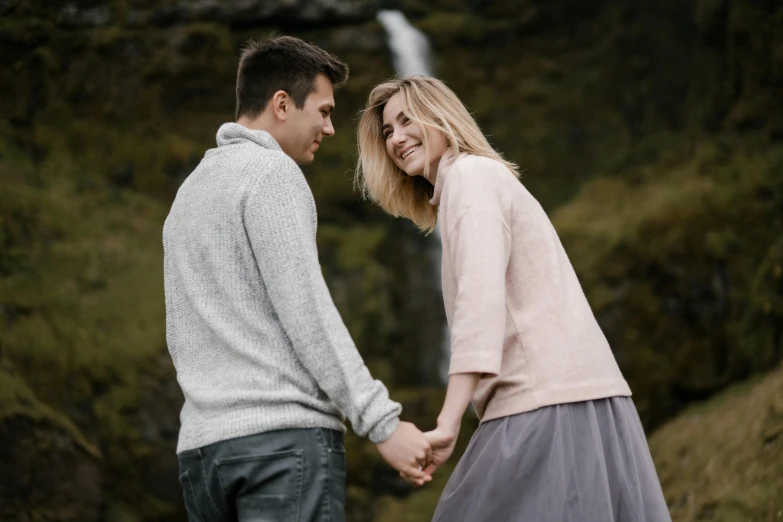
{"points": [[306, 127]]}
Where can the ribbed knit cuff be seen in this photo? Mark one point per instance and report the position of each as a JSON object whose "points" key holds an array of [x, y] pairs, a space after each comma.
{"points": [[384, 430]]}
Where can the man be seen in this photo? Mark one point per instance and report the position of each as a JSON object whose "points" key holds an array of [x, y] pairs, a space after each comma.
{"points": [[266, 365]]}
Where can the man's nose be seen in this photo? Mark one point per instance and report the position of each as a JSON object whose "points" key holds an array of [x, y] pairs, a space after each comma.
{"points": [[328, 128]]}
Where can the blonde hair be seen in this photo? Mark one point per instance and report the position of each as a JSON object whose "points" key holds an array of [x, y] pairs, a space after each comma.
{"points": [[431, 104]]}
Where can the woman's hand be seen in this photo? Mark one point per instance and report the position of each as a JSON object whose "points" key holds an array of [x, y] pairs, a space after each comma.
{"points": [[442, 441], [443, 438]]}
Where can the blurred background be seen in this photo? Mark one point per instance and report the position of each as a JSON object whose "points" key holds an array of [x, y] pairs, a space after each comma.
{"points": [[652, 133]]}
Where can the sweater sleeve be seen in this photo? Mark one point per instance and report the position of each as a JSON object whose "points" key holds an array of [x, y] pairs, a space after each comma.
{"points": [[280, 222], [479, 250]]}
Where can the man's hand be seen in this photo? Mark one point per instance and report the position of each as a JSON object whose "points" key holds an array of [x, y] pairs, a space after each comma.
{"points": [[407, 451]]}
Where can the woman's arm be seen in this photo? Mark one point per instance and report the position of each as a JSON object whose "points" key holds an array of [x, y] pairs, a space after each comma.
{"points": [[443, 438], [458, 394]]}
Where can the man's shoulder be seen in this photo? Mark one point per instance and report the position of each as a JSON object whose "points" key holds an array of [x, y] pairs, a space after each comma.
{"points": [[251, 167], [274, 159], [260, 159], [275, 168]]}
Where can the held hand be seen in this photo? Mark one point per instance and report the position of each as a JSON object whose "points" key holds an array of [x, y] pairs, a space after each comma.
{"points": [[407, 451], [442, 440]]}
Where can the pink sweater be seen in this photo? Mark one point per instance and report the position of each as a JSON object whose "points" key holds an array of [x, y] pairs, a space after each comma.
{"points": [[516, 310]]}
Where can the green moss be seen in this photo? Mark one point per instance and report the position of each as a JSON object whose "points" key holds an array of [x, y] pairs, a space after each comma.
{"points": [[720, 460], [672, 110], [670, 276], [760, 325], [449, 27], [83, 322], [18, 400]]}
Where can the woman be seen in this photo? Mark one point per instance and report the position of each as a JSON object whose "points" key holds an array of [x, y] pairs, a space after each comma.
{"points": [[560, 438]]}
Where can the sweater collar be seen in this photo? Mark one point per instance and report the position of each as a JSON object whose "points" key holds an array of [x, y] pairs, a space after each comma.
{"points": [[444, 167], [234, 134]]}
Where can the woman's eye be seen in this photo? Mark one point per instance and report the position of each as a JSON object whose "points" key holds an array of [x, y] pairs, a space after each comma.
{"points": [[405, 120]]}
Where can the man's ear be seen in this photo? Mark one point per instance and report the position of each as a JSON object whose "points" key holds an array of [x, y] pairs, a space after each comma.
{"points": [[281, 105]]}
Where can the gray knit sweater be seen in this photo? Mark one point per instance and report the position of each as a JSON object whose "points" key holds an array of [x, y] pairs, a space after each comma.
{"points": [[256, 340]]}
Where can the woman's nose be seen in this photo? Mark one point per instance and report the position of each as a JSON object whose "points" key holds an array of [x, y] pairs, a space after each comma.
{"points": [[398, 138]]}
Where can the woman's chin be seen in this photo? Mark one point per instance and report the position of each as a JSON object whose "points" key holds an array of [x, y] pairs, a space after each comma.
{"points": [[411, 172]]}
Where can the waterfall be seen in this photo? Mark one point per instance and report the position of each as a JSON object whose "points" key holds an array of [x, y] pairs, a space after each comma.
{"points": [[411, 53], [409, 46]]}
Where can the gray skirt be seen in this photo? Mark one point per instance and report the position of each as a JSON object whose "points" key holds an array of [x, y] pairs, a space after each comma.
{"points": [[579, 462]]}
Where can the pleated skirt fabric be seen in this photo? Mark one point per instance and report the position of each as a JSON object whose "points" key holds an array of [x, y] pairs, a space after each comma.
{"points": [[578, 462]]}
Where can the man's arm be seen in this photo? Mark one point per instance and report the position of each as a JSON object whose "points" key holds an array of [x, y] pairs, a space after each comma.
{"points": [[279, 221], [280, 224]]}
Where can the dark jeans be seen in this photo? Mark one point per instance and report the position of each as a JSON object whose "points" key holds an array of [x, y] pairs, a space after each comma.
{"points": [[279, 476]]}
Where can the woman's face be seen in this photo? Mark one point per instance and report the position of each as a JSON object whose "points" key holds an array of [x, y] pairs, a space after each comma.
{"points": [[405, 141]]}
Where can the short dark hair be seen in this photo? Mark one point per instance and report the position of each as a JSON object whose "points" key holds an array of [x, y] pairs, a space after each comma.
{"points": [[283, 63]]}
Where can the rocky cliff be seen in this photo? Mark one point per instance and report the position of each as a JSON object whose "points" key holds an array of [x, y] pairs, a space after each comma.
{"points": [[652, 133]]}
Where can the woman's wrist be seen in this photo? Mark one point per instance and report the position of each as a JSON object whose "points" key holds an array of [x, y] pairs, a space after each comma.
{"points": [[446, 422]]}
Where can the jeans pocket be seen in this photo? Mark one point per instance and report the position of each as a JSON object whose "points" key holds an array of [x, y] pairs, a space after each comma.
{"points": [[266, 487], [337, 477], [191, 506]]}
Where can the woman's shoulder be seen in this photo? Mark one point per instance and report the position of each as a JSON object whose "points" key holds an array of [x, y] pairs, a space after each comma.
{"points": [[483, 171], [473, 164], [472, 179]]}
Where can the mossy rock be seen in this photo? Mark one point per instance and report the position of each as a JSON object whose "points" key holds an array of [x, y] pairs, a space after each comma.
{"points": [[82, 326], [44, 454], [674, 109], [721, 460], [670, 276]]}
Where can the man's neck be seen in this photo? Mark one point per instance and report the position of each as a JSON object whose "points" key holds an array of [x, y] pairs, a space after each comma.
{"points": [[260, 123]]}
